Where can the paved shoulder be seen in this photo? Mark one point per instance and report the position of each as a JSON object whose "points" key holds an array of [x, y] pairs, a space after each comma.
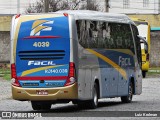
{"points": [[5, 88]]}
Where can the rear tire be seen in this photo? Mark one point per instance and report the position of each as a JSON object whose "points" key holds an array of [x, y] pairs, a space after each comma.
{"points": [[46, 106], [144, 74], [38, 105], [35, 105], [93, 103], [128, 99]]}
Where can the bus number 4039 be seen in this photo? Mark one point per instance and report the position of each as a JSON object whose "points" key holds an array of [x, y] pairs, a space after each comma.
{"points": [[41, 44]]}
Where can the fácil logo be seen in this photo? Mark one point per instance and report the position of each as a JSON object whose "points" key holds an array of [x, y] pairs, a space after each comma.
{"points": [[40, 63], [41, 25]]}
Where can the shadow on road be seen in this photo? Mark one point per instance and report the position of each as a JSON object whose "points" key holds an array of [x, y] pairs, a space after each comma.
{"points": [[109, 104], [74, 108]]}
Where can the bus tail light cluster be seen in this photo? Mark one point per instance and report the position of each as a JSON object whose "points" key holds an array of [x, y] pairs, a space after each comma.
{"points": [[71, 76], [65, 14], [17, 16], [14, 76]]}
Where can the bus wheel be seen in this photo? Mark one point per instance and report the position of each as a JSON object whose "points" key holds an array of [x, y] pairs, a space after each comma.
{"points": [[46, 105], [128, 99], [94, 102], [36, 105], [144, 74]]}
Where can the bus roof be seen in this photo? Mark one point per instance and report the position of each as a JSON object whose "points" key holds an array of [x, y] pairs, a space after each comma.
{"points": [[92, 15], [95, 15]]}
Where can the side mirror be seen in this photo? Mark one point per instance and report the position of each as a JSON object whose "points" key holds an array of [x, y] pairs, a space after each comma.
{"points": [[144, 44]]}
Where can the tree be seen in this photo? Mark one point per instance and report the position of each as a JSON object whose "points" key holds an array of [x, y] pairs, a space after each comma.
{"points": [[55, 5], [91, 5], [37, 7]]}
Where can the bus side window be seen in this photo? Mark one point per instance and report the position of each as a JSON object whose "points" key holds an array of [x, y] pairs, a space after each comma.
{"points": [[82, 33], [121, 36], [138, 44], [78, 28]]}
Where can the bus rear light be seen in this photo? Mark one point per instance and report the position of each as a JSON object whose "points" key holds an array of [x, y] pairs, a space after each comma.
{"points": [[71, 75], [14, 76], [70, 81], [13, 71], [17, 16], [65, 14], [71, 69]]}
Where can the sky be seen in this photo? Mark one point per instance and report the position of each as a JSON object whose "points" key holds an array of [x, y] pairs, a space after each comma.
{"points": [[10, 6]]}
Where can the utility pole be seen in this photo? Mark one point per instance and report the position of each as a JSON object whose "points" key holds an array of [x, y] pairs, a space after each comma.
{"points": [[18, 6], [46, 6], [107, 5]]}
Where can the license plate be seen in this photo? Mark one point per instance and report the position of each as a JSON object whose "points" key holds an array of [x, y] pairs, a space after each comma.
{"points": [[42, 92]]}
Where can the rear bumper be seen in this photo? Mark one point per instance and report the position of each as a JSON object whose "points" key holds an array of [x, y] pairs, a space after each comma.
{"points": [[28, 94]]}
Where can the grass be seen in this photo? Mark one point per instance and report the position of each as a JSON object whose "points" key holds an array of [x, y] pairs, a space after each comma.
{"points": [[154, 71], [7, 77], [154, 68], [5, 74]]}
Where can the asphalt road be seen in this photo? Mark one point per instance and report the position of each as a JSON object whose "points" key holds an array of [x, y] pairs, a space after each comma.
{"points": [[149, 101]]}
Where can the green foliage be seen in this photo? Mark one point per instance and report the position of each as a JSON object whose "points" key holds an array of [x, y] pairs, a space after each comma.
{"points": [[7, 77], [5, 74]]}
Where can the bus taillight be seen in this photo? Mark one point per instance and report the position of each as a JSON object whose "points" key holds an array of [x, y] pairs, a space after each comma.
{"points": [[65, 14], [71, 76], [14, 76], [17, 16]]}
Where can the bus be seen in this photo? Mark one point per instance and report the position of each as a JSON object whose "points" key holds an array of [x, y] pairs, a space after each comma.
{"points": [[144, 31], [79, 56]]}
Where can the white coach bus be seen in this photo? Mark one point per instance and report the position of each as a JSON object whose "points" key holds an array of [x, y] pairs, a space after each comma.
{"points": [[79, 56]]}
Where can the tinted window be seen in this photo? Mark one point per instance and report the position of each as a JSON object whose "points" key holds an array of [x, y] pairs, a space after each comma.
{"points": [[99, 34], [138, 44]]}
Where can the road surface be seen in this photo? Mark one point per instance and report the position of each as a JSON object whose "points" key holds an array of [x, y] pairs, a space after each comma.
{"points": [[149, 101]]}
